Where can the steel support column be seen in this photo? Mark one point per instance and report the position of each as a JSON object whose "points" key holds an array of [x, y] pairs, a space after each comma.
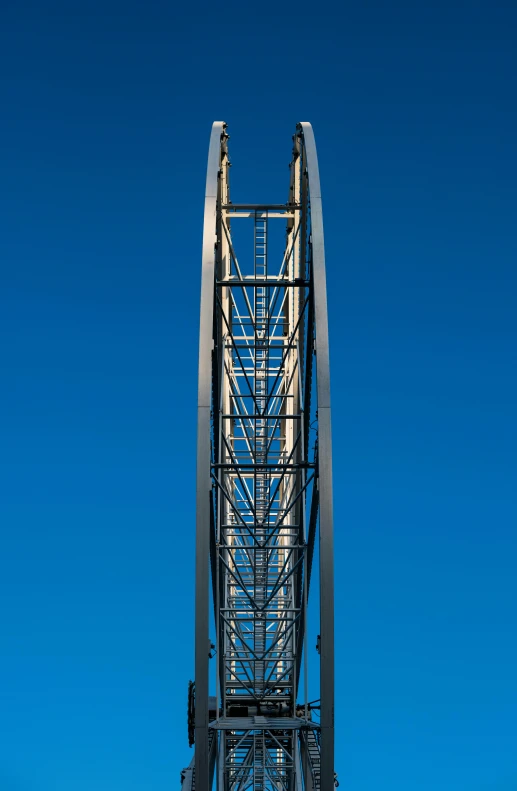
{"points": [[204, 484], [326, 545]]}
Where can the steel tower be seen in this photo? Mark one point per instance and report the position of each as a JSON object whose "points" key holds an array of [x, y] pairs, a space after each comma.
{"points": [[264, 490]]}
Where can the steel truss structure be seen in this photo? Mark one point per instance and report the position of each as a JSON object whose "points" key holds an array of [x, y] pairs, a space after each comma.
{"points": [[264, 490]]}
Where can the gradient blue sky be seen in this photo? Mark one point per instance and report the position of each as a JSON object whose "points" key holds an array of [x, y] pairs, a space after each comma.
{"points": [[105, 113]]}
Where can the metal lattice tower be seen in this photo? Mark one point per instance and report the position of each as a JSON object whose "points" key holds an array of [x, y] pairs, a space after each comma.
{"points": [[264, 491]]}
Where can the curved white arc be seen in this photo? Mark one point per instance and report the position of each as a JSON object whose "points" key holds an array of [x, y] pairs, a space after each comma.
{"points": [[326, 531], [203, 457], [318, 263], [208, 264]]}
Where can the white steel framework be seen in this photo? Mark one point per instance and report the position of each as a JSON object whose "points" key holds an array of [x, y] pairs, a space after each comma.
{"points": [[264, 490]]}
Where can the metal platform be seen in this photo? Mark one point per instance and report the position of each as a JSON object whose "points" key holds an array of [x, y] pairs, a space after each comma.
{"points": [[262, 723]]}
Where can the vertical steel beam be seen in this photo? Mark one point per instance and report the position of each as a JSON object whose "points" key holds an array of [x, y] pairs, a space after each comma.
{"points": [[325, 464], [203, 458]]}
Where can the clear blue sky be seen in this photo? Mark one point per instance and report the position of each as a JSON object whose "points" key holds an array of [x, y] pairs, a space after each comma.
{"points": [[105, 114]]}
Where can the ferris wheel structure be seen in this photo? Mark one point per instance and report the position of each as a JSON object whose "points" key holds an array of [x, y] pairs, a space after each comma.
{"points": [[264, 490]]}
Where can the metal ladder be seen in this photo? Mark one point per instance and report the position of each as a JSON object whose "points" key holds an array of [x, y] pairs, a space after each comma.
{"points": [[313, 753], [261, 443], [259, 769]]}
